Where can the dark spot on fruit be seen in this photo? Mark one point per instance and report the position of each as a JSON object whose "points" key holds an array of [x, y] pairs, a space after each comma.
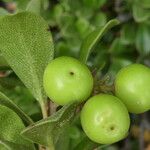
{"points": [[71, 73], [112, 128]]}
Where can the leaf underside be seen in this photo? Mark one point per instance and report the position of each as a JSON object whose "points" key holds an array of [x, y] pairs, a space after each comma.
{"points": [[47, 131], [11, 126], [27, 46]]}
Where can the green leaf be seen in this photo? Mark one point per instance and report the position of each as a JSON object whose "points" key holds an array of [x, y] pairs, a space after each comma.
{"points": [[140, 14], [82, 26], [146, 3], [4, 68], [11, 126], [34, 6], [143, 39], [105, 147], [76, 135], [117, 47], [85, 144], [63, 140], [6, 145], [116, 64], [94, 3], [10, 82], [143, 3], [99, 19], [3, 146], [4, 100], [93, 38], [26, 44], [3, 62], [57, 12], [3, 12], [47, 131], [45, 4], [24, 100], [128, 34], [22, 4]]}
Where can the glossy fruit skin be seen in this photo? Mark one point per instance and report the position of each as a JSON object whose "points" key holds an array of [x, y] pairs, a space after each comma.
{"points": [[132, 86], [105, 119], [67, 80]]}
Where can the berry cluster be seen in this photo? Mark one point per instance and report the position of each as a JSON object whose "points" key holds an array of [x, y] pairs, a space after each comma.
{"points": [[104, 117]]}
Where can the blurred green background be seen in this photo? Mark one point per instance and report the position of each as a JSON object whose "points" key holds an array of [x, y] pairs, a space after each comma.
{"points": [[70, 21]]}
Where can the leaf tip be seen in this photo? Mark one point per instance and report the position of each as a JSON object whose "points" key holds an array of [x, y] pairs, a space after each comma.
{"points": [[115, 21]]}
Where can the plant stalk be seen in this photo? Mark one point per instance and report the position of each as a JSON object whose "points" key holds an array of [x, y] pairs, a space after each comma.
{"points": [[44, 109], [50, 148], [45, 113]]}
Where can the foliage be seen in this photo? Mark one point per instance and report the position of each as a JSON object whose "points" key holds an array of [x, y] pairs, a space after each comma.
{"points": [[84, 29]]}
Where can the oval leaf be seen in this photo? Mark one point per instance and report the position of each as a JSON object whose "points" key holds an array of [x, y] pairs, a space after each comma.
{"points": [[143, 3], [47, 131], [35, 6], [143, 39], [140, 14], [11, 126], [21, 4], [93, 38], [117, 47], [27, 45], [128, 33], [4, 100]]}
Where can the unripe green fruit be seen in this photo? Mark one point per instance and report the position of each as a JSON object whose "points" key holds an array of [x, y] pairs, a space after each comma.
{"points": [[67, 80], [132, 86], [105, 119]]}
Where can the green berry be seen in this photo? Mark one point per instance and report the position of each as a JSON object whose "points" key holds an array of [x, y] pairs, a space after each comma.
{"points": [[132, 86], [105, 119], [67, 80]]}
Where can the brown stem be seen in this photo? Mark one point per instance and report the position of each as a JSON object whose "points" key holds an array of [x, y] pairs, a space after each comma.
{"points": [[41, 147], [51, 107]]}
